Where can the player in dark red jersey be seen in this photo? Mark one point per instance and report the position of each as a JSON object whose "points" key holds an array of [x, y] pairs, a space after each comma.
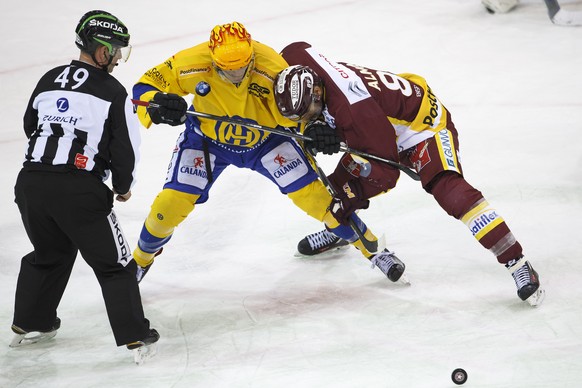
{"points": [[396, 117]]}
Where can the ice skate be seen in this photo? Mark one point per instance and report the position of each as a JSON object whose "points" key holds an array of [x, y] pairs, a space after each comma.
{"points": [[145, 349], [23, 338], [499, 6], [320, 242], [142, 271], [390, 265], [527, 281]]}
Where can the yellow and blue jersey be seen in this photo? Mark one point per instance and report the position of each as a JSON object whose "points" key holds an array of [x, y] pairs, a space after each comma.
{"points": [[191, 73]]}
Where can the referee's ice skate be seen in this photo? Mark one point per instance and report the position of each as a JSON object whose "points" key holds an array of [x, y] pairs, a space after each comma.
{"points": [[146, 348], [23, 337]]}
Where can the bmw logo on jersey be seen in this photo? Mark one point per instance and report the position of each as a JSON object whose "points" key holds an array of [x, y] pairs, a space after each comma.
{"points": [[202, 88]]}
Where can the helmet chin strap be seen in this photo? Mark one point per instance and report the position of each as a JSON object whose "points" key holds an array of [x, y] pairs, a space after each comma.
{"points": [[106, 66]]}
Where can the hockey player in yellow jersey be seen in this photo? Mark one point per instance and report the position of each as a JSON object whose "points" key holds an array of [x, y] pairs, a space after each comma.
{"points": [[230, 75]]}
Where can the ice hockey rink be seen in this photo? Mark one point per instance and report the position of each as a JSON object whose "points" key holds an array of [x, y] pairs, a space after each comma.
{"points": [[236, 308]]}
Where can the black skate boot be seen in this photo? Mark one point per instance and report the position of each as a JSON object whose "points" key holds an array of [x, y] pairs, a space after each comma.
{"points": [[23, 337], [390, 265], [146, 348], [526, 280], [316, 243]]}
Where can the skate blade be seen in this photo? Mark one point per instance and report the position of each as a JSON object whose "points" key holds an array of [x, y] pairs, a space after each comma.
{"points": [[404, 280], [537, 297], [31, 338], [144, 353], [323, 255]]}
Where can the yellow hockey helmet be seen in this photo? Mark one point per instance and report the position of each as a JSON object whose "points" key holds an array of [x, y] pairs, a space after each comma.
{"points": [[231, 47]]}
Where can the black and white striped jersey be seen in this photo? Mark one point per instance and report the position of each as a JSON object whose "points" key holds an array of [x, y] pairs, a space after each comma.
{"points": [[81, 116]]}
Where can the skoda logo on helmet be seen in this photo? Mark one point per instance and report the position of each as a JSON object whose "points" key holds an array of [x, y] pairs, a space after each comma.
{"points": [[106, 24]]}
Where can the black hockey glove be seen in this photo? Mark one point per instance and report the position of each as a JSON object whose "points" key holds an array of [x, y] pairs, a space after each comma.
{"points": [[347, 200], [168, 109], [325, 139]]}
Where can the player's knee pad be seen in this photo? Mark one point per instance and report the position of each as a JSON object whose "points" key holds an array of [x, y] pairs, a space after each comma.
{"points": [[169, 209], [454, 194], [313, 199]]}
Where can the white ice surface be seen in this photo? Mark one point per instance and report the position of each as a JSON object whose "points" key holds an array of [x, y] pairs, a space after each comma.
{"points": [[233, 305]]}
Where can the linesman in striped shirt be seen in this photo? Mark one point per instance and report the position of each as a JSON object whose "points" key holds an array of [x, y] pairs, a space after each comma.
{"points": [[82, 130]]}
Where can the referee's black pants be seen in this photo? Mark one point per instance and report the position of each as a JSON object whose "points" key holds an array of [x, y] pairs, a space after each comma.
{"points": [[64, 213]]}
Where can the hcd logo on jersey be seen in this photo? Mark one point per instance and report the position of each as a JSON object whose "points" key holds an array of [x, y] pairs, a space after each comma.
{"points": [[237, 135], [62, 104], [202, 88]]}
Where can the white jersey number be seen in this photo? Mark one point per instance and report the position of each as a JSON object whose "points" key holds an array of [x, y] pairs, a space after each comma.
{"points": [[394, 82], [79, 76]]}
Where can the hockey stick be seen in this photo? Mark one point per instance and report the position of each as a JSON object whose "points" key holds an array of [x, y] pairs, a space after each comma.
{"points": [[371, 246], [408, 171], [562, 17]]}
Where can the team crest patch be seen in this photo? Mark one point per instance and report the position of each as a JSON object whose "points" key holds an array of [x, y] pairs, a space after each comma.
{"points": [[356, 168], [420, 156]]}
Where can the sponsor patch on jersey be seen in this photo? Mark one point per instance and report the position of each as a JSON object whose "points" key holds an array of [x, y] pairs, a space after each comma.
{"points": [[257, 90], [265, 74], [189, 71], [81, 161], [447, 150], [483, 222], [62, 105], [157, 77], [202, 88], [60, 119], [284, 164], [192, 169], [481, 219], [348, 82], [433, 114]]}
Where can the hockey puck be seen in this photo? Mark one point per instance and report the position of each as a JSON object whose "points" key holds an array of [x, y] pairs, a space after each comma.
{"points": [[459, 376]]}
